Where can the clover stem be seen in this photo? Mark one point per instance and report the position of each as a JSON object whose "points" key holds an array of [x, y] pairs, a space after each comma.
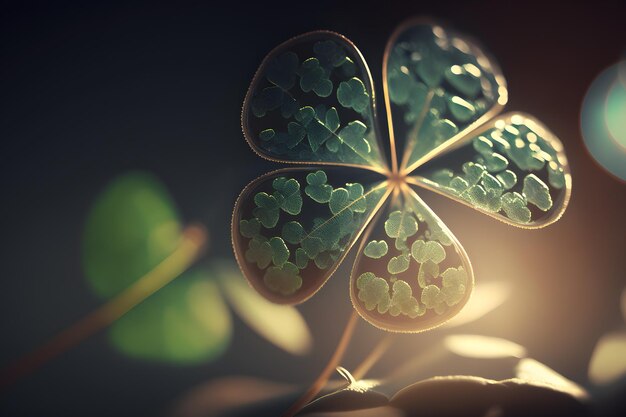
{"points": [[373, 357], [190, 247], [331, 366]]}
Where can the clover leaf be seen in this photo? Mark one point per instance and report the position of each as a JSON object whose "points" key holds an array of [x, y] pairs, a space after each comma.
{"points": [[352, 94], [537, 192], [317, 189], [400, 225], [441, 89], [398, 264], [250, 228], [314, 77], [259, 252], [376, 249], [403, 302], [514, 205], [283, 279], [428, 251], [267, 211], [289, 193], [374, 292]]}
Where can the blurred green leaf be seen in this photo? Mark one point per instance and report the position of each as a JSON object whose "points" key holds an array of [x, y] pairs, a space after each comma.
{"points": [[185, 322], [282, 325], [132, 226]]}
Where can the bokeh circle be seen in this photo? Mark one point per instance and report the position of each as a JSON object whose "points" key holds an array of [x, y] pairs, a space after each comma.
{"points": [[603, 119]]}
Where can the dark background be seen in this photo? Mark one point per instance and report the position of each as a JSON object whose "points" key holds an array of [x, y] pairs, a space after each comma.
{"points": [[89, 91]]}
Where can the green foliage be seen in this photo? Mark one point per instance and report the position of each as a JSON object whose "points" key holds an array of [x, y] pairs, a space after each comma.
{"points": [[339, 200], [403, 302], [280, 252], [432, 297], [299, 88], [293, 232], [428, 271], [313, 77], [288, 195], [376, 249], [317, 189], [454, 281], [353, 137], [288, 244], [537, 192], [374, 292], [284, 279], [428, 251], [250, 228], [482, 181], [514, 205], [400, 224], [440, 86], [352, 94], [132, 226], [436, 89], [267, 211], [259, 252], [507, 179], [398, 264]]}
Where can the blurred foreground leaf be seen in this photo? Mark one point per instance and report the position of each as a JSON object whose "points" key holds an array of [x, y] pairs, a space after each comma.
{"points": [[185, 322], [537, 373], [485, 298], [608, 361], [282, 325], [355, 395], [224, 396], [475, 346], [469, 396], [132, 226]]}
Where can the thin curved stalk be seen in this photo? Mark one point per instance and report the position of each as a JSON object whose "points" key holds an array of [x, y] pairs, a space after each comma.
{"points": [[192, 242], [370, 360], [323, 377]]}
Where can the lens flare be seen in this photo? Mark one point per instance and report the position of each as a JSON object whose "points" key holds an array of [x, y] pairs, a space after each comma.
{"points": [[603, 124]]}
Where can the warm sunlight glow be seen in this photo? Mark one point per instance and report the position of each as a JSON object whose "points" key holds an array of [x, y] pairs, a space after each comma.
{"points": [[486, 297], [474, 346]]}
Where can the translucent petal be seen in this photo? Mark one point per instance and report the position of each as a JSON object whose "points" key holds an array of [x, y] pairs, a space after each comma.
{"points": [[513, 169], [423, 280], [288, 243], [439, 86], [312, 100]]}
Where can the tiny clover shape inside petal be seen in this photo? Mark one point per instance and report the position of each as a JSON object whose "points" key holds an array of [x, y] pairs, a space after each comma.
{"points": [[400, 225], [283, 279]]}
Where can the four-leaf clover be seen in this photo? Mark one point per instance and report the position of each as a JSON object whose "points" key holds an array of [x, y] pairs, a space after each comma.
{"points": [[312, 102]]}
